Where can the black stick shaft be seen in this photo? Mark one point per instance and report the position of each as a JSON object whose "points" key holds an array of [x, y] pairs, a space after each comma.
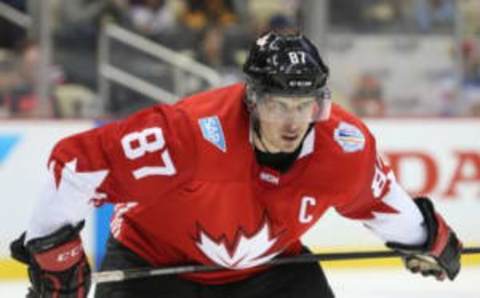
{"points": [[119, 275]]}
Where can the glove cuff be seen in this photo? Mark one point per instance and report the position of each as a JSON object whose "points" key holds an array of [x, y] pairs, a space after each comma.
{"points": [[18, 250], [58, 251]]}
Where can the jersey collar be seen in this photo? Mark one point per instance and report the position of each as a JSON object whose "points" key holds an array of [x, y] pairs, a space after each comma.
{"points": [[308, 144]]}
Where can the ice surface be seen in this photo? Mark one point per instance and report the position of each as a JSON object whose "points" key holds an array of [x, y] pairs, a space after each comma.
{"points": [[361, 283]]}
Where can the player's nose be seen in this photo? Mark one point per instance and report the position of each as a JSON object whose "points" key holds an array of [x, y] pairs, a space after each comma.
{"points": [[291, 126]]}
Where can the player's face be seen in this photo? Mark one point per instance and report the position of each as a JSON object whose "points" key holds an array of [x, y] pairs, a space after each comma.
{"points": [[284, 121]]}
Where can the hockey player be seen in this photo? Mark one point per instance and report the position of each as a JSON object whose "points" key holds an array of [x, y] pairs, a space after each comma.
{"points": [[233, 177]]}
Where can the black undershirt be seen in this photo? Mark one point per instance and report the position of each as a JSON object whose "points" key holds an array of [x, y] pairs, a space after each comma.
{"points": [[278, 161], [282, 161]]}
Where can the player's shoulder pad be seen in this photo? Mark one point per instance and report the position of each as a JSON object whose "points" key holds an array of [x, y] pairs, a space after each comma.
{"points": [[216, 115], [346, 133], [163, 115], [218, 101], [346, 148], [220, 125]]}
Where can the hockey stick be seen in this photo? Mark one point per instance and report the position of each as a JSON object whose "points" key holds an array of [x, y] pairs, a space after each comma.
{"points": [[120, 275]]}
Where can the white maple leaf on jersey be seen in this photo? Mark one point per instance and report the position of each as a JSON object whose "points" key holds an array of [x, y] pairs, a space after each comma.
{"points": [[86, 182], [65, 203], [249, 252]]}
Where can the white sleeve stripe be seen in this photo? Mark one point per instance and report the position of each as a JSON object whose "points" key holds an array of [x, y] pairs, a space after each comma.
{"points": [[406, 225], [70, 202]]}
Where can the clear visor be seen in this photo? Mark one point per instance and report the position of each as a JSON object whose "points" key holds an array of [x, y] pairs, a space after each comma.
{"points": [[303, 109]]}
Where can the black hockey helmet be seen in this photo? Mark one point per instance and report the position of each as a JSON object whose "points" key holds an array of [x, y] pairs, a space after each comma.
{"points": [[285, 64]]}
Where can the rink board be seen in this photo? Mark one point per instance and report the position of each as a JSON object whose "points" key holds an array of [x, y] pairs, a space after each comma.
{"points": [[438, 157]]}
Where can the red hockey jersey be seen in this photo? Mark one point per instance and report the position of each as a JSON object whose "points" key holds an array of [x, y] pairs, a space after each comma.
{"points": [[188, 189]]}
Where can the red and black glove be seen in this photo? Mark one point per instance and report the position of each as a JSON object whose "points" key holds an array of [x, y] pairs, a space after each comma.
{"points": [[57, 266], [440, 255]]}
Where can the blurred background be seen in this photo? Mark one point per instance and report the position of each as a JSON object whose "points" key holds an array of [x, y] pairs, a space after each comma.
{"points": [[410, 68], [107, 58]]}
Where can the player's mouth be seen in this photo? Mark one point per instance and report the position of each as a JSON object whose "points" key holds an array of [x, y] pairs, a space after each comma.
{"points": [[290, 137]]}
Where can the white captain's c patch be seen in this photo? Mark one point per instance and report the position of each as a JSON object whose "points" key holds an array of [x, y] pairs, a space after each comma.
{"points": [[212, 131], [349, 137]]}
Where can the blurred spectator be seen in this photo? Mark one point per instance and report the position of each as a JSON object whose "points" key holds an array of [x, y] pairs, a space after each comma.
{"points": [[367, 99], [7, 67], [223, 47], [381, 14], [475, 110], [262, 12], [152, 16], [282, 23], [470, 53], [343, 14], [87, 14], [74, 101], [19, 95], [368, 16], [471, 62], [471, 102], [210, 20], [199, 14], [430, 13], [211, 51], [470, 10], [11, 34], [471, 77], [77, 31]]}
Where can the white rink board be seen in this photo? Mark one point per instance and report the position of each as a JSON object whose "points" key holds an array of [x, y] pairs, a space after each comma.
{"points": [[22, 174]]}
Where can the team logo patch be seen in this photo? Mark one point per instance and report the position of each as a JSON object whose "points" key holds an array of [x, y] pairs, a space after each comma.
{"points": [[212, 131], [349, 137]]}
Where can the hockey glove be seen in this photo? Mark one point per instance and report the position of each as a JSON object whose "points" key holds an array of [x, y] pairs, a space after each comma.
{"points": [[440, 255], [57, 266]]}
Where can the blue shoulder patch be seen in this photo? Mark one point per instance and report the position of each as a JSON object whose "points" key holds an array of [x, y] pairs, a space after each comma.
{"points": [[212, 131]]}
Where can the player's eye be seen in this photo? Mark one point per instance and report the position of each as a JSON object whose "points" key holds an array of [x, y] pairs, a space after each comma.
{"points": [[303, 106]]}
